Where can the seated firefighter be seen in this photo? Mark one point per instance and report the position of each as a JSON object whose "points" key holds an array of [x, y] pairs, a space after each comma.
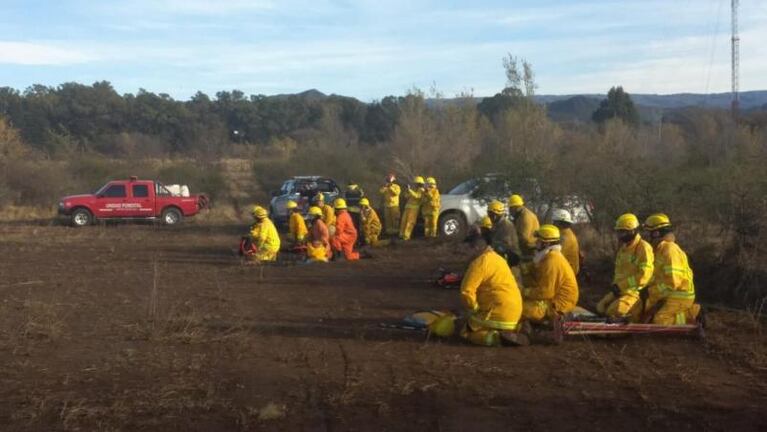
{"points": [[491, 297], [671, 292], [264, 237], [318, 240], [371, 223], [633, 271], [345, 237], [296, 225], [554, 289]]}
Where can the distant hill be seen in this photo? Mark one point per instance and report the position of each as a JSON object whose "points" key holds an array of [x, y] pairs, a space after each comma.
{"points": [[748, 100]]}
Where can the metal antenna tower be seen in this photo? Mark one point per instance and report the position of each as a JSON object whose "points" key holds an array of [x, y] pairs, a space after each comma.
{"points": [[735, 105]]}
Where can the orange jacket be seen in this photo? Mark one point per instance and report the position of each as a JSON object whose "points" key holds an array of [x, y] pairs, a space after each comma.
{"points": [[345, 231]]}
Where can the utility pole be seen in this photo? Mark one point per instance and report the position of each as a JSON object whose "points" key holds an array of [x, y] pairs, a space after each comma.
{"points": [[735, 104]]}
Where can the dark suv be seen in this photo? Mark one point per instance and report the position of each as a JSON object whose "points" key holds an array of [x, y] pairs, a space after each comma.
{"points": [[301, 189]]}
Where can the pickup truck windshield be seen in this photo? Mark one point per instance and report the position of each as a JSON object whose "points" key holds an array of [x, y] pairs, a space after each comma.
{"points": [[464, 188]]}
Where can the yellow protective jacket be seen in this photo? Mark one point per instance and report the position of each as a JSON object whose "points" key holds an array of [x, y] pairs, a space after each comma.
{"points": [[328, 215], [527, 224], [431, 201], [371, 225], [297, 227], [414, 197], [554, 282], [490, 292], [265, 236], [571, 250], [390, 194], [672, 275], [633, 266]]}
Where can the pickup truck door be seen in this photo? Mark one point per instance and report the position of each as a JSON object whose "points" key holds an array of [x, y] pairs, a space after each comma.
{"points": [[142, 199], [112, 201]]}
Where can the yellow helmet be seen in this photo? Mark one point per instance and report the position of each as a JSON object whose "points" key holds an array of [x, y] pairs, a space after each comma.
{"points": [[516, 201], [339, 204], [320, 197], [315, 211], [418, 180], [496, 207], [486, 223], [259, 212], [364, 202], [443, 326], [657, 221], [627, 222], [548, 233], [431, 180], [291, 205]]}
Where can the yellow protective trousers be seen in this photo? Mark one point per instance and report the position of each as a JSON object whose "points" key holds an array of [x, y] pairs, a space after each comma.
{"points": [[626, 305], [675, 311], [409, 219], [391, 219], [537, 310], [430, 224]]}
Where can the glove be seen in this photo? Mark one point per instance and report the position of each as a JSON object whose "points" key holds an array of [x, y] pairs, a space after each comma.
{"points": [[615, 290], [513, 259]]}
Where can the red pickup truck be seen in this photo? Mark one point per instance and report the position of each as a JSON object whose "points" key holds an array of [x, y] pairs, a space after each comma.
{"points": [[131, 199]]}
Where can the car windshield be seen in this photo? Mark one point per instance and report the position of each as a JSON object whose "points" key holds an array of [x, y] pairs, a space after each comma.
{"points": [[464, 188]]}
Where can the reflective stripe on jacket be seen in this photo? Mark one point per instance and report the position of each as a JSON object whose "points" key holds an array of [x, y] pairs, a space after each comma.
{"points": [[633, 266], [672, 276]]}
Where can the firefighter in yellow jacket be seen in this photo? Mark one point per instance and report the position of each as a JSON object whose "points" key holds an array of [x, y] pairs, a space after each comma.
{"points": [[671, 290], [562, 219], [264, 236], [491, 297], [296, 225], [633, 271], [390, 192], [526, 223], [371, 224], [430, 208], [555, 289], [412, 206]]}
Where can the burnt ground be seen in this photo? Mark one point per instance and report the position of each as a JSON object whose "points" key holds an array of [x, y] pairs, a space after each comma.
{"points": [[136, 327]]}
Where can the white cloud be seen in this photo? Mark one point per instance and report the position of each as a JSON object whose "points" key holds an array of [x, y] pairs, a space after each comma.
{"points": [[32, 53]]}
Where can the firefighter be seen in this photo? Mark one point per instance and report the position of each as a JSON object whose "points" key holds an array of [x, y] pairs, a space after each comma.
{"points": [[264, 236], [671, 292], [353, 195], [562, 219], [526, 223], [430, 208], [555, 289], [371, 224], [328, 214], [390, 192], [296, 225], [345, 238], [412, 206], [318, 244], [505, 240], [633, 271], [490, 295]]}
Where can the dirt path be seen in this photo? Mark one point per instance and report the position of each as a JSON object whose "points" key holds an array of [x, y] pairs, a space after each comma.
{"points": [[141, 328]]}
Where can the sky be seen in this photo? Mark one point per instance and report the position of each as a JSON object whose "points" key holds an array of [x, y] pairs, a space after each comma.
{"points": [[371, 49]]}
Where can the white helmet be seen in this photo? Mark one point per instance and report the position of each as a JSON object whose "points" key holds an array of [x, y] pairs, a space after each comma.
{"points": [[561, 215]]}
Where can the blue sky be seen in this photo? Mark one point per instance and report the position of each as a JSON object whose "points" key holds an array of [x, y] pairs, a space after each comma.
{"points": [[371, 49]]}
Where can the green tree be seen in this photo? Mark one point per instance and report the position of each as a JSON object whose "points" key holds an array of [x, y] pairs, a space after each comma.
{"points": [[617, 104]]}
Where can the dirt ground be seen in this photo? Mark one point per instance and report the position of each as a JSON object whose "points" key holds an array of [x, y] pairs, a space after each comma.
{"points": [[137, 327]]}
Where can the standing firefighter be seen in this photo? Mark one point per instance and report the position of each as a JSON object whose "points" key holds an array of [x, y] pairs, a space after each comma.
{"points": [[491, 297], [414, 196], [345, 238], [633, 271], [371, 224], [555, 289], [296, 225], [430, 208], [390, 192], [264, 236], [671, 293], [318, 244], [526, 223], [562, 219]]}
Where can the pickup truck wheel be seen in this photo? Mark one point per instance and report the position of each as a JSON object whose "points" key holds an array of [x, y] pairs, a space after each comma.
{"points": [[171, 216], [452, 226], [81, 217]]}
